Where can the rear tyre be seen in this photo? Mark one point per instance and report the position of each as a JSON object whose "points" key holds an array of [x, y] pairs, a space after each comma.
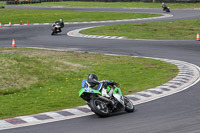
{"points": [[99, 107], [129, 107]]}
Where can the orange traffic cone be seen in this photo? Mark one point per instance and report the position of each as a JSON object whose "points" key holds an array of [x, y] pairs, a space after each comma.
{"points": [[0, 25], [10, 23], [13, 43], [27, 22], [21, 23], [198, 37]]}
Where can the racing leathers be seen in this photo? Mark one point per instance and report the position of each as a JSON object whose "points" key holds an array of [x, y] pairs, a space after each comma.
{"points": [[100, 86], [60, 23]]}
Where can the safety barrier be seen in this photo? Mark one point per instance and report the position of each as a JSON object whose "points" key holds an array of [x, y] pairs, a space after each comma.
{"points": [[15, 2], [10, 2]]}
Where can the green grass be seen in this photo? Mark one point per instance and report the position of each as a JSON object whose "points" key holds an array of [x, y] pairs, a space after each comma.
{"points": [[115, 4], [34, 81], [2, 3], [173, 30], [50, 16]]}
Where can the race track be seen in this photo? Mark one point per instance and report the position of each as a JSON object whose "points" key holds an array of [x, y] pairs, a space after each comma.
{"points": [[178, 113]]}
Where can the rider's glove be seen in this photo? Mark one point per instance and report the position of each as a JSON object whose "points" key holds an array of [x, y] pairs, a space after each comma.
{"points": [[112, 82]]}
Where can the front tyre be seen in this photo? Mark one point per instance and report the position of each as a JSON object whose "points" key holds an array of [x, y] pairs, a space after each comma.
{"points": [[99, 107], [52, 33], [129, 107], [168, 10]]}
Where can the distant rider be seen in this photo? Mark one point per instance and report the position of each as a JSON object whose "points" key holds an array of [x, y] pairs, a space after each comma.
{"points": [[99, 85], [60, 23], [164, 6]]}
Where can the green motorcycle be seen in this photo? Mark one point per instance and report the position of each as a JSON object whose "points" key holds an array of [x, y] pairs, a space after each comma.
{"points": [[103, 106]]}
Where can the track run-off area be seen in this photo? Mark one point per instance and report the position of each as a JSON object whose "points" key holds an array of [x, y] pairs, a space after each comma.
{"points": [[175, 113]]}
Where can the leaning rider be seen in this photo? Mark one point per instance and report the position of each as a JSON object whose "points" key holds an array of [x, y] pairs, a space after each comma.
{"points": [[61, 23], [164, 6], [99, 85]]}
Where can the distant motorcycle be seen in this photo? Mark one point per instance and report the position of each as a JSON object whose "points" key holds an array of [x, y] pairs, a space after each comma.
{"points": [[165, 8], [56, 28]]}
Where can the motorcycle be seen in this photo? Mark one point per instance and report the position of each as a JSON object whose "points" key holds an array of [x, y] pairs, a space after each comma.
{"points": [[56, 28], [103, 106], [166, 9]]}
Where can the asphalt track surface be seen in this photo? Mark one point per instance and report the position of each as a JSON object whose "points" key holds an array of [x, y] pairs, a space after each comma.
{"points": [[177, 113]]}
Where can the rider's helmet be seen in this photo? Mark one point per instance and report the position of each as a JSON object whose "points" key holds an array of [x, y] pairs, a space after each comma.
{"points": [[163, 3], [61, 19], [92, 76]]}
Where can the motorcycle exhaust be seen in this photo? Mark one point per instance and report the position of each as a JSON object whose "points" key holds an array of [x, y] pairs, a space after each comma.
{"points": [[105, 99]]}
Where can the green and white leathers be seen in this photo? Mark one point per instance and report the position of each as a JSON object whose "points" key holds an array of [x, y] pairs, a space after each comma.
{"points": [[103, 106]]}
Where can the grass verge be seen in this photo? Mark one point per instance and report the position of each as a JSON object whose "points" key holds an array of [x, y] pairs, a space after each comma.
{"points": [[114, 4], [173, 30], [50, 16], [34, 81]]}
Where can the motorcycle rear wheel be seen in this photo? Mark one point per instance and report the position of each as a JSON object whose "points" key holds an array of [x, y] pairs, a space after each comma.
{"points": [[129, 107], [99, 107]]}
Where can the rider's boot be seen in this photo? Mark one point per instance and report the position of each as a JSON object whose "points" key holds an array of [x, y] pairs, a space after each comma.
{"points": [[104, 93]]}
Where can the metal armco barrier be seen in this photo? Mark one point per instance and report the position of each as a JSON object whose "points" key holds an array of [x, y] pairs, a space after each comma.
{"points": [[10, 2], [15, 2]]}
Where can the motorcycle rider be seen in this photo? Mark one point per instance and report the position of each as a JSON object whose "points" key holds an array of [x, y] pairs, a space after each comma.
{"points": [[164, 6], [99, 85], [61, 23]]}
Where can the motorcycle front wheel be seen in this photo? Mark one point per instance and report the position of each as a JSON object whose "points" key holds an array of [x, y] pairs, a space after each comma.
{"points": [[129, 107], [52, 33], [167, 10], [99, 107]]}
